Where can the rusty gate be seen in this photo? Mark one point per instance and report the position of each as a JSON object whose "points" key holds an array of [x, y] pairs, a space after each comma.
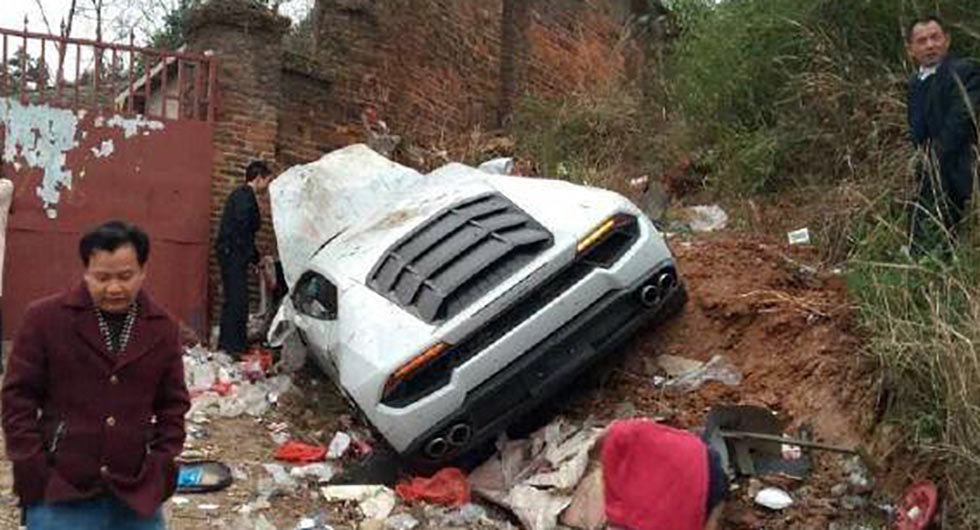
{"points": [[94, 131]]}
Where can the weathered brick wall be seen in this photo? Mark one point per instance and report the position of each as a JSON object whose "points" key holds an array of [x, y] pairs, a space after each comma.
{"points": [[432, 67], [247, 41]]}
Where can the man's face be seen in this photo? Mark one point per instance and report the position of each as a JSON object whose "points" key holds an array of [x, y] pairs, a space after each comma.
{"points": [[114, 278], [262, 182], [928, 44]]}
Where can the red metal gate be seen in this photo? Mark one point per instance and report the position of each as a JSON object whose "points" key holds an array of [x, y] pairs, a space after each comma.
{"points": [[118, 132]]}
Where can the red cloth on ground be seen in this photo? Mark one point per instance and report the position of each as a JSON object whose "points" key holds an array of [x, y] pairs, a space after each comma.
{"points": [[448, 487], [656, 477], [301, 453]]}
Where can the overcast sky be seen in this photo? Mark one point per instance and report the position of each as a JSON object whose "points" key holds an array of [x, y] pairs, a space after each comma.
{"points": [[119, 16]]}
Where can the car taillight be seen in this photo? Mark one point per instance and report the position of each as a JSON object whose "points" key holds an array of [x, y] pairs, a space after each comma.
{"points": [[606, 243], [412, 367]]}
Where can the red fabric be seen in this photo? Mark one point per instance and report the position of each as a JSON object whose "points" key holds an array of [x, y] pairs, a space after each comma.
{"points": [[655, 477], [103, 404], [448, 487], [300, 453]]}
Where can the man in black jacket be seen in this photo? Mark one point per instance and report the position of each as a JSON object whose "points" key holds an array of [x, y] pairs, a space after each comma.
{"points": [[240, 220], [942, 98]]}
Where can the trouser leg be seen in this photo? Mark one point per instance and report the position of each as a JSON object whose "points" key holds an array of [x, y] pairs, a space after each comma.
{"points": [[234, 309]]}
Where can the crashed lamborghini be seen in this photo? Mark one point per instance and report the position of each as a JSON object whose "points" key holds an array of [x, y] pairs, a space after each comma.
{"points": [[447, 305]]}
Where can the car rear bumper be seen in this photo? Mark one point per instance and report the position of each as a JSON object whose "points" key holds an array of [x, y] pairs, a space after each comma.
{"points": [[545, 369]]}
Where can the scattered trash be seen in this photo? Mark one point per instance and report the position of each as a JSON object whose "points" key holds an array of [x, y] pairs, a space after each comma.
{"points": [[375, 502], [639, 182], [717, 369], [498, 166], [857, 474], [704, 218], [179, 501], [535, 478], [917, 507], [280, 483], [675, 366], [208, 507], [773, 498], [853, 502], [799, 237], [447, 487], [320, 471], [402, 521], [587, 510], [300, 453], [466, 516], [339, 445], [292, 356], [203, 476], [256, 363]]}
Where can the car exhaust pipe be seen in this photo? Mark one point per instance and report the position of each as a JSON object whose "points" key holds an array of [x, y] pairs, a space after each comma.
{"points": [[650, 295], [666, 281], [437, 448], [460, 434]]}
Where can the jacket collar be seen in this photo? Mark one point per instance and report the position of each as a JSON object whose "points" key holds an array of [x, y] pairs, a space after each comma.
{"points": [[86, 325]]}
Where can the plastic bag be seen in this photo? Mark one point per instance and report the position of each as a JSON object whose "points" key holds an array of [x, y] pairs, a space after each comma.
{"points": [[448, 487], [717, 369]]}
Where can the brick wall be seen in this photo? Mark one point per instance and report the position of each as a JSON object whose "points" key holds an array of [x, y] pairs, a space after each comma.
{"points": [[432, 67]]}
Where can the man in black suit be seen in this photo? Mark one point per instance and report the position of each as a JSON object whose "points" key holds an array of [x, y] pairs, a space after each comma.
{"points": [[240, 220], [943, 95]]}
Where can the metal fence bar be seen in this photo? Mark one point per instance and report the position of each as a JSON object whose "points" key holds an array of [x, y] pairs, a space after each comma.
{"points": [[95, 78], [146, 85], [180, 87], [5, 79], [42, 79], [198, 81], [132, 66], [212, 79], [23, 70], [78, 74]]}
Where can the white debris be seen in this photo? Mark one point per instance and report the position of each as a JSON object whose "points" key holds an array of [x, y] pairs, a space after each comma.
{"points": [[773, 498], [339, 445], [536, 478], [376, 502], [717, 369], [799, 237], [498, 166], [705, 218], [402, 521], [179, 501], [320, 471], [208, 507]]}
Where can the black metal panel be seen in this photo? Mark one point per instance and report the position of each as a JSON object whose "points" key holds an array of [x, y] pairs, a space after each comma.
{"points": [[441, 267]]}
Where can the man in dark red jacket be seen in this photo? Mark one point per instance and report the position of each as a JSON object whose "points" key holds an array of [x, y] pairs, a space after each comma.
{"points": [[94, 395]]}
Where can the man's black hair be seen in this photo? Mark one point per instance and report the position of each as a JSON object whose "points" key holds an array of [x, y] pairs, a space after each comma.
{"points": [[112, 235], [256, 168], [923, 20]]}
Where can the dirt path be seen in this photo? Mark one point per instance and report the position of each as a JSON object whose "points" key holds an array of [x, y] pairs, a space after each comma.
{"points": [[787, 330]]}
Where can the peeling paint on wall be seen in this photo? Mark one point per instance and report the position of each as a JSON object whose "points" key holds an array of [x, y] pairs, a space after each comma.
{"points": [[104, 150], [41, 136], [131, 126]]}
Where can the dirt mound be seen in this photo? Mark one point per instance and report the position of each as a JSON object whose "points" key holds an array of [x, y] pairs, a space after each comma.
{"points": [[787, 328]]}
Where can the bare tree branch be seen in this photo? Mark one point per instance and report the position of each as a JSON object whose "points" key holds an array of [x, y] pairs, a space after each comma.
{"points": [[44, 16]]}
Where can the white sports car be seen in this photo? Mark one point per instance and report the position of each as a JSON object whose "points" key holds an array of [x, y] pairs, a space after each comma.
{"points": [[448, 304]]}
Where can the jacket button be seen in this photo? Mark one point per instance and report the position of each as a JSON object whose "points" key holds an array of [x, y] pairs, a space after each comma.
{"points": [[104, 470], [113, 379], [110, 421]]}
